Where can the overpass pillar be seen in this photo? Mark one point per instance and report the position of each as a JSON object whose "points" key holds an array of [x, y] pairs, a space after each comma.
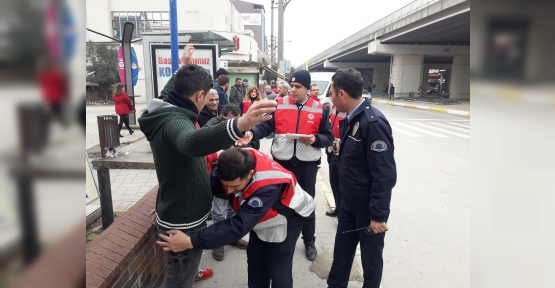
{"points": [[460, 78], [406, 73], [380, 77]]}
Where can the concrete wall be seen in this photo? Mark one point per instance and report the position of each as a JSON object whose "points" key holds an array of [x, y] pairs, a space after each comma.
{"points": [[406, 73], [460, 78]]}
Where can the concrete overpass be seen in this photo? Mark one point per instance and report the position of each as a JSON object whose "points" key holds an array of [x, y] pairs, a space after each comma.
{"points": [[403, 46]]}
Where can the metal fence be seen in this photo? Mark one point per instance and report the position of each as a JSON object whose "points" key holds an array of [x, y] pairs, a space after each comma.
{"points": [[410, 13]]}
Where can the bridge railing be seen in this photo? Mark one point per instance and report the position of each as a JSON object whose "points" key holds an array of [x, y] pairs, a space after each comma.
{"points": [[372, 30]]}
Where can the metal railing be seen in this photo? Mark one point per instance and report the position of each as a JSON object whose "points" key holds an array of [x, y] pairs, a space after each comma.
{"points": [[374, 29]]}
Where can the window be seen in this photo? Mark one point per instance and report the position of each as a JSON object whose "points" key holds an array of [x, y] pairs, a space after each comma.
{"points": [[145, 21]]}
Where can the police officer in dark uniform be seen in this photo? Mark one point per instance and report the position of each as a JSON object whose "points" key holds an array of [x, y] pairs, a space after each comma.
{"points": [[367, 174], [269, 203]]}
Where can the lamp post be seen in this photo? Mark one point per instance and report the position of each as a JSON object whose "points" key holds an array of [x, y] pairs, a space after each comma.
{"points": [[282, 4]]}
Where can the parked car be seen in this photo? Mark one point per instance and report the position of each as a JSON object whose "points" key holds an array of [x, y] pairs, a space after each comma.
{"points": [[367, 95]]}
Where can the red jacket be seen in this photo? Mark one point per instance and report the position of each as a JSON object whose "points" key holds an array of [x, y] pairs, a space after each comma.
{"points": [[123, 103], [314, 97], [53, 84]]}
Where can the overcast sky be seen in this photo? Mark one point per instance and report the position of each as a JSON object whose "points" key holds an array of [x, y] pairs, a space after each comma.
{"points": [[316, 25]]}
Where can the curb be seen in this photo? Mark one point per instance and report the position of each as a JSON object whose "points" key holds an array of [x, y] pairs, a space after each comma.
{"points": [[424, 107], [326, 190]]}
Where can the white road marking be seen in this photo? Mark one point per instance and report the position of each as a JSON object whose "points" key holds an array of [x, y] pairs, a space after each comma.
{"points": [[465, 125], [420, 130], [441, 130], [408, 133], [450, 127]]}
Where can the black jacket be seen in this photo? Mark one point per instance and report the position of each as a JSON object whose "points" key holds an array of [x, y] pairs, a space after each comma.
{"points": [[367, 166], [206, 115]]}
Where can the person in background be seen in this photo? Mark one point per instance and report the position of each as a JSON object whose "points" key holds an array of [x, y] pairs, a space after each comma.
{"points": [[221, 88], [275, 89], [123, 107], [246, 84], [315, 92], [268, 94], [54, 88], [211, 109], [391, 92], [237, 92], [219, 73], [252, 96]]}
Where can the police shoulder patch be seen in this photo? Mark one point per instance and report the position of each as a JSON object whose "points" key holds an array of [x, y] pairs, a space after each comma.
{"points": [[255, 202], [379, 146]]}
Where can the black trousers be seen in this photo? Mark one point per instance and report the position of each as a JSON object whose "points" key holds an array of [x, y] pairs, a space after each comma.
{"points": [[334, 179], [273, 261], [371, 249], [124, 119], [306, 177]]}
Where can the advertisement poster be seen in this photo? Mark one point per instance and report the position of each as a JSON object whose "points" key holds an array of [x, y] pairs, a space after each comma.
{"points": [[204, 56]]}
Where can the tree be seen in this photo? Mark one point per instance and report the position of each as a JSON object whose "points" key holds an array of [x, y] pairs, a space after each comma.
{"points": [[291, 71], [102, 63]]}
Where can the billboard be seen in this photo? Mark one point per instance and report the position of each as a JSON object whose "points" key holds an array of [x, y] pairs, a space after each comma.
{"points": [[254, 19], [204, 56]]}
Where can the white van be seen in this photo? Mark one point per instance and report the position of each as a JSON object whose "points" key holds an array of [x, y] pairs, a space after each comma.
{"points": [[323, 80]]}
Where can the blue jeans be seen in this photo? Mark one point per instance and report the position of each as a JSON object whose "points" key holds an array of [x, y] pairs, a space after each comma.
{"points": [[182, 267], [221, 210]]}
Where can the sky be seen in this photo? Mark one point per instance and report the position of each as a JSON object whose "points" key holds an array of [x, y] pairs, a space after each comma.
{"points": [[315, 25]]}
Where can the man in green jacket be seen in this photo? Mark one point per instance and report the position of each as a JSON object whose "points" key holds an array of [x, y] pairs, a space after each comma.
{"points": [[178, 147]]}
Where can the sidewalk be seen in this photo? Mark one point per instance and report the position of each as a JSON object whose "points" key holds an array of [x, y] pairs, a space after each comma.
{"points": [[461, 109]]}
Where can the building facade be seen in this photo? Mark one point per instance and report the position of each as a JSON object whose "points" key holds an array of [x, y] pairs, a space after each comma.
{"points": [[254, 19], [108, 16]]}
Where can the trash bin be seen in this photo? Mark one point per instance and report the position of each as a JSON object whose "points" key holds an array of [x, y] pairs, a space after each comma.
{"points": [[108, 133]]}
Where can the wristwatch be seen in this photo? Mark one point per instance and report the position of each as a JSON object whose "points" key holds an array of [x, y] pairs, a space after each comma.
{"points": [[249, 133]]}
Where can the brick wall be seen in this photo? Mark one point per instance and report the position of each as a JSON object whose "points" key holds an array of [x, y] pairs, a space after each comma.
{"points": [[126, 254]]}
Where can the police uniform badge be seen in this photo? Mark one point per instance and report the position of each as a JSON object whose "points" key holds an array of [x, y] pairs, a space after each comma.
{"points": [[355, 129], [379, 146], [255, 202]]}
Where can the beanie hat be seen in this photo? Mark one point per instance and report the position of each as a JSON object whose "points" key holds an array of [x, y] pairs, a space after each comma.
{"points": [[301, 76], [246, 80]]}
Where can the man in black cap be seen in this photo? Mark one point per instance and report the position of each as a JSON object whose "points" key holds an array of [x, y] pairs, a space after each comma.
{"points": [[298, 114]]}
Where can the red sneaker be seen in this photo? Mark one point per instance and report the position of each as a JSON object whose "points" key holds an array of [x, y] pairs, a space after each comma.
{"points": [[204, 274]]}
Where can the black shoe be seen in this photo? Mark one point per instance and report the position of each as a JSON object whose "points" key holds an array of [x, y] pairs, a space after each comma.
{"points": [[131, 132], [120, 135], [332, 212], [311, 252]]}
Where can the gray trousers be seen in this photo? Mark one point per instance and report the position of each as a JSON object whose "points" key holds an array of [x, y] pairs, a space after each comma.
{"points": [[182, 267]]}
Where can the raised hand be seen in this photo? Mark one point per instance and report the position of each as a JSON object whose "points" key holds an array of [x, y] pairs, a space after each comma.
{"points": [[255, 114]]}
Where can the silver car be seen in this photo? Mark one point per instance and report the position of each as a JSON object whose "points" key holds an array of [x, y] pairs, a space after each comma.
{"points": [[366, 95]]}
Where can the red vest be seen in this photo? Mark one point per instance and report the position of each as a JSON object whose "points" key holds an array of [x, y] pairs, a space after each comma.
{"points": [[335, 117], [246, 105], [287, 114], [268, 172]]}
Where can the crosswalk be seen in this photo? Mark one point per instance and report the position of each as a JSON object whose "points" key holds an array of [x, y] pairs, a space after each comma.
{"points": [[436, 129]]}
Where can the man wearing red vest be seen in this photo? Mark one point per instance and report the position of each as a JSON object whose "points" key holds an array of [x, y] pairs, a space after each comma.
{"points": [[298, 113], [333, 159], [269, 203]]}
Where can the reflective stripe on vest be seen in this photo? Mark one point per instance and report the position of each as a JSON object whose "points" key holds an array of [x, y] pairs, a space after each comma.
{"points": [[273, 226], [334, 121], [286, 119]]}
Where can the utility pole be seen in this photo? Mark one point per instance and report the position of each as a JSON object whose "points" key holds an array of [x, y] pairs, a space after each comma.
{"points": [[272, 50], [281, 10]]}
